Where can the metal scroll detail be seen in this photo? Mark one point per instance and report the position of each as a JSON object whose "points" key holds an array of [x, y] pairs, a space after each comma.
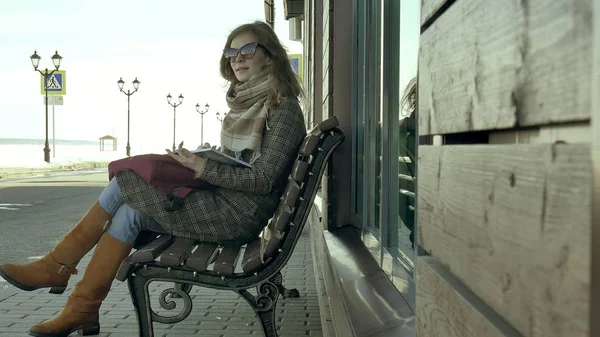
{"points": [[277, 278], [264, 305], [267, 296], [169, 304]]}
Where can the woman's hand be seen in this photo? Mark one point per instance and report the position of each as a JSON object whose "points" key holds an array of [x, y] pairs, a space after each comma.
{"points": [[188, 159]]}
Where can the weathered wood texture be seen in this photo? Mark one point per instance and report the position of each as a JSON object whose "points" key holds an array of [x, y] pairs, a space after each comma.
{"points": [[488, 64], [568, 133], [448, 309], [595, 298], [429, 8], [513, 223]]}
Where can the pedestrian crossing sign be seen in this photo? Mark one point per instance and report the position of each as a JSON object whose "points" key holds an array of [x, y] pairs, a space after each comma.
{"points": [[296, 62], [56, 84]]}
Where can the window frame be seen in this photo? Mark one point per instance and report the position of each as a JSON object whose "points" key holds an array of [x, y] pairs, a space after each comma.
{"points": [[358, 109], [372, 107], [391, 109], [376, 99]]}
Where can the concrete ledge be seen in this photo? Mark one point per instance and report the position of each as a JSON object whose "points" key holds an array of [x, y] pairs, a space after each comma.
{"points": [[369, 302], [319, 270], [19, 172]]}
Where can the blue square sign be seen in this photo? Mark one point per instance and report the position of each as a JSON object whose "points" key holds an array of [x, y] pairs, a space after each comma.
{"points": [[55, 83]]}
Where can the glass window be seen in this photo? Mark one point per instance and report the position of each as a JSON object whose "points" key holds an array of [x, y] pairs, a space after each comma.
{"points": [[407, 141], [384, 130], [372, 117], [358, 118], [384, 120]]}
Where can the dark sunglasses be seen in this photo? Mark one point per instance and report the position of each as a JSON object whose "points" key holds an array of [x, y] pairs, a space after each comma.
{"points": [[247, 51]]}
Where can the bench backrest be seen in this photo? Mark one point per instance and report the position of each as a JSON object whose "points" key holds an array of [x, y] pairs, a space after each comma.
{"points": [[283, 231]]}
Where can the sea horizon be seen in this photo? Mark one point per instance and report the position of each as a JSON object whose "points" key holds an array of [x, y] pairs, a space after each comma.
{"points": [[34, 141]]}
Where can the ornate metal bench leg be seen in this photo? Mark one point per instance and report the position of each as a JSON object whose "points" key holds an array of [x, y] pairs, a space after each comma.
{"points": [[267, 320], [139, 296], [186, 288], [286, 293], [264, 305]]}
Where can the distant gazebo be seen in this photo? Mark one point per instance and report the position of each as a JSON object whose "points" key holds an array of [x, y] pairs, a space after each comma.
{"points": [[111, 138]]}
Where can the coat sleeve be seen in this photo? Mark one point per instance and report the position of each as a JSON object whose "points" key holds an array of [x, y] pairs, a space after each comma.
{"points": [[279, 148]]}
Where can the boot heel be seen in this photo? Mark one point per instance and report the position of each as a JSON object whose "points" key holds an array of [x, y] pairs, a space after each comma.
{"points": [[89, 330], [57, 290]]}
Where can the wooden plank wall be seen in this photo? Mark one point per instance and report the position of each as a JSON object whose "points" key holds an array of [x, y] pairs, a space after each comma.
{"points": [[429, 8], [451, 309], [507, 221], [501, 64], [595, 126]]}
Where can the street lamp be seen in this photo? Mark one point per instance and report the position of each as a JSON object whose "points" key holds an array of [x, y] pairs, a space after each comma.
{"points": [[136, 84], [174, 105], [35, 61], [220, 119], [202, 112]]}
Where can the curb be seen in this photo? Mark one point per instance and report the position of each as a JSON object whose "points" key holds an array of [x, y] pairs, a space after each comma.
{"points": [[19, 172]]}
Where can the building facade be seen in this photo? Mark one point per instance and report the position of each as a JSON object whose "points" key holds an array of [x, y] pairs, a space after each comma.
{"points": [[462, 201]]}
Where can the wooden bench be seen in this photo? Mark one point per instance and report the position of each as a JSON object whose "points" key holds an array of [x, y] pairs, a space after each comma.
{"points": [[187, 263]]}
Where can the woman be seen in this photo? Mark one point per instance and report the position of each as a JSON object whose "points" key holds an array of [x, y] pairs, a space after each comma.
{"points": [[264, 126]]}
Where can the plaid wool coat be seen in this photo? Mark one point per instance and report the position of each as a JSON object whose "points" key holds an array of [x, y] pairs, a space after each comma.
{"points": [[244, 198]]}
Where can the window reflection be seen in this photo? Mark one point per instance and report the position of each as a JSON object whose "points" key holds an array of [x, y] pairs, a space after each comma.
{"points": [[406, 167], [409, 53]]}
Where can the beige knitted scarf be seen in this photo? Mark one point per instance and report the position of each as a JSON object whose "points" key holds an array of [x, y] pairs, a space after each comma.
{"points": [[244, 123]]}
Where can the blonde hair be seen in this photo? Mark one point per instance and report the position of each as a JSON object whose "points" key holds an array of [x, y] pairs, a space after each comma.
{"points": [[285, 82]]}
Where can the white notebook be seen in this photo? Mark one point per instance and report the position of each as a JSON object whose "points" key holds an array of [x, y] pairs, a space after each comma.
{"points": [[220, 157]]}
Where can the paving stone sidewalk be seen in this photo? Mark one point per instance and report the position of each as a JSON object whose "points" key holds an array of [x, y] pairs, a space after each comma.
{"points": [[215, 313]]}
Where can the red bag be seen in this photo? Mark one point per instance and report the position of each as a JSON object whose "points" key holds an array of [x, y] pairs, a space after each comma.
{"points": [[173, 179]]}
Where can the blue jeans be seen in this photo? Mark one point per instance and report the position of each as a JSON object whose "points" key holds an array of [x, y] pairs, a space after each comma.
{"points": [[127, 222]]}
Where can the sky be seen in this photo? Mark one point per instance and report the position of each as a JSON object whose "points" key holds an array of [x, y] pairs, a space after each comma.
{"points": [[171, 47]]}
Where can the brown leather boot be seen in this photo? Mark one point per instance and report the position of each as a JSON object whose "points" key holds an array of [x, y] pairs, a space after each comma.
{"points": [[55, 268], [81, 311]]}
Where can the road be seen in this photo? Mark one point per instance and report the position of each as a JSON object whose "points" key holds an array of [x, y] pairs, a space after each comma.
{"points": [[36, 212]]}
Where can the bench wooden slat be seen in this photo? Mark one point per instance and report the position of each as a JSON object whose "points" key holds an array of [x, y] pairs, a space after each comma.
{"points": [[282, 217], [124, 268], [252, 257], [290, 194], [227, 259], [175, 255], [315, 131], [325, 126], [270, 242], [299, 170], [205, 254], [309, 145], [152, 250], [329, 124], [144, 238]]}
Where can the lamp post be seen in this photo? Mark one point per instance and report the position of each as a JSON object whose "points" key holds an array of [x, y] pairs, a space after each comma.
{"points": [[220, 119], [136, 84], [35, 61], [174, 105], [202, 112]]}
